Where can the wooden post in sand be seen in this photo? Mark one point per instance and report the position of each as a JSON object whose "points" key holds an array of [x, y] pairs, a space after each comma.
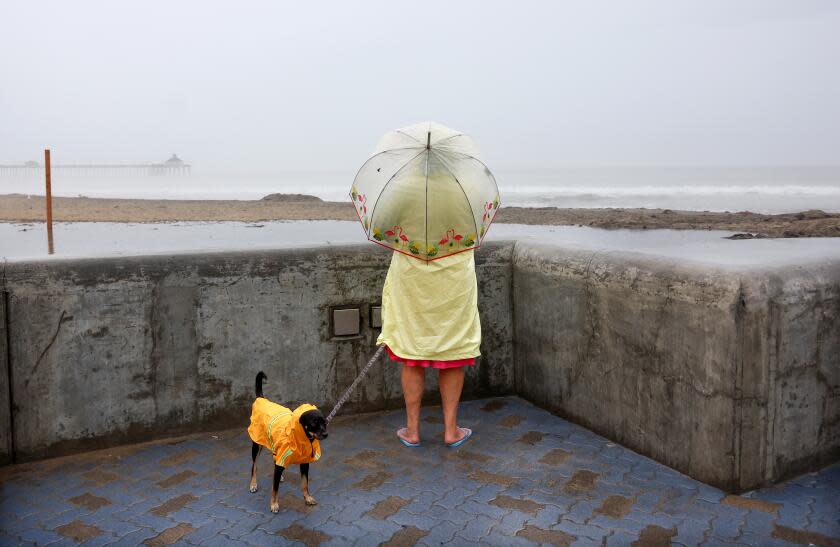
{"points": [[49, 201]]}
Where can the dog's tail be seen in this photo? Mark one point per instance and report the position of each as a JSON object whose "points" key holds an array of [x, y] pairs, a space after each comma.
{"points": [[260, 377]]}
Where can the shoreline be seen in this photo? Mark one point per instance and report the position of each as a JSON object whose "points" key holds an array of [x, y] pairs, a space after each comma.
{"points": [[22, 208]]}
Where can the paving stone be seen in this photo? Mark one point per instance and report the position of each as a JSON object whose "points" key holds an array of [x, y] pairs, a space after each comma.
{"points": [[493, 405], [492, 478], [387, 507], [177, 478], [617, 538], [581, 482], [511, 523], [625, 524], [310, 538], [78, 531], [405, 537], [615, 507], [443, 532], [246, 525], [542, 536], [148, 520], [134, 538], [516, 504], [172, 504], [378, 528], [531, 438], [511, 420], [652, 536], [170, 535], [476, 529], [581, 511], [751, 504], [727, 526], [804, 537], [117, 528], [210, 529], [758, 523], [258, 537], [586, 534], [89, 501]]}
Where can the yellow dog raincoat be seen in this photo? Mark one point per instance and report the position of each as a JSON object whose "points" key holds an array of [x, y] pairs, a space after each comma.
{"points": [[278, 429]]}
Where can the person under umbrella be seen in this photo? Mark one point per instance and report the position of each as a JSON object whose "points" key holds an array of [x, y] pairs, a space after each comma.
{"points": [[425, 194]]}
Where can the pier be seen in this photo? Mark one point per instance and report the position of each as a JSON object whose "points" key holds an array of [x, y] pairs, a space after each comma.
{"points": [[174, 166]]}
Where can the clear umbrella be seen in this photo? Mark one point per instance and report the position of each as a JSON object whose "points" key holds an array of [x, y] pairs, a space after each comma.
{"points": [[425, 192]]}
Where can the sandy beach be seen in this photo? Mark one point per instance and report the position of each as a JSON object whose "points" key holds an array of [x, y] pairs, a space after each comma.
{"points": [[17, 207]]}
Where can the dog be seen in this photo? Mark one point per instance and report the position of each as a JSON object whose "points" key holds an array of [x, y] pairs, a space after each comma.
{"points": [[292, 436]]}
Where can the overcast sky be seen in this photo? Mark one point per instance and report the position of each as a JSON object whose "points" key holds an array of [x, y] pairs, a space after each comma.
{"points": [[312, 85]]}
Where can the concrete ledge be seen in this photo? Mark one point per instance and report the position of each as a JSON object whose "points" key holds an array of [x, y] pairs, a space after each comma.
{"points": [[684, 362], [116, 350]]}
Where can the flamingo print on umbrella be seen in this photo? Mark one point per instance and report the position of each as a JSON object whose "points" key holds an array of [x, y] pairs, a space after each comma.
{"points": [[488, 215], [451, 239], [362, 199], [397, 235]]}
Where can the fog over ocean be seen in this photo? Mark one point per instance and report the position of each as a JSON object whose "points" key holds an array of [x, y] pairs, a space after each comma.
{"points": [[757, 189]]}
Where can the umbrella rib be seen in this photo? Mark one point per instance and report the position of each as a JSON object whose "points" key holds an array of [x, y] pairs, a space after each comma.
{"points": [[496, 184], [469, 204], [373, 210], [409, 136], [379, 154], [449, 137]]}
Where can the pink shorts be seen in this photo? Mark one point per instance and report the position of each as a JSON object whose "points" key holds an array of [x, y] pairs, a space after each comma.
{"points": [[455, 363]]}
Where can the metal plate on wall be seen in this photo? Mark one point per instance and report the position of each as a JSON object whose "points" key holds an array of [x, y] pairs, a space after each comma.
{"points": [[346, 322]]}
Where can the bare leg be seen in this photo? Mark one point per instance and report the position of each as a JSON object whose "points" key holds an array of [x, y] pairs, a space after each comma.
{"points": [[451, 382], [413, 383]]}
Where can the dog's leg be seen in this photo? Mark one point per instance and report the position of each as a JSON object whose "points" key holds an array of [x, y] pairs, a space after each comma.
{"points": [[278, 474], [255, 452], [304, 484]]}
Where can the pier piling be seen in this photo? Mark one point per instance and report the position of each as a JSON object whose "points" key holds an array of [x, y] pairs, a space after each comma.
{"points": [[51, 249]]}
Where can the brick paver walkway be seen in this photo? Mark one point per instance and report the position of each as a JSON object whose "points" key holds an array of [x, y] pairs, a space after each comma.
{"points": [[526, 477]]}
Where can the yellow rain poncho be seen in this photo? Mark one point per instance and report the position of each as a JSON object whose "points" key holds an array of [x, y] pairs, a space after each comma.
{"points": [[278, 429], [430, 309]]}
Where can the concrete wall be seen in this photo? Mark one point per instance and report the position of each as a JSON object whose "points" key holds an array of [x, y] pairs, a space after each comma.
{"points": [[117, 350], [791, 354], [732, 378]]}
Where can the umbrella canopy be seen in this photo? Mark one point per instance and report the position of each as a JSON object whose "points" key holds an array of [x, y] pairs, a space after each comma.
{"points": [[425, 192]]}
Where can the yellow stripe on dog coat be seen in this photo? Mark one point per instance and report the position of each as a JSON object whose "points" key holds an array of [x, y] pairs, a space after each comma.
{"points": [[278, 429]]}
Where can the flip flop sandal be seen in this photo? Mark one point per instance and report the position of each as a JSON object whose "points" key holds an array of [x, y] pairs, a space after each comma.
{"points": [[405, 442], [463, 439]]}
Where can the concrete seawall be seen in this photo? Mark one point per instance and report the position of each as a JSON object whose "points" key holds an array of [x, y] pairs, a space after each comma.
{"points": [[732, 378], [118, 350], [731, 375]]}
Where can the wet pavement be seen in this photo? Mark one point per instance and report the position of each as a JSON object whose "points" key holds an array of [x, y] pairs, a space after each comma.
{"points": [[526, 477]]}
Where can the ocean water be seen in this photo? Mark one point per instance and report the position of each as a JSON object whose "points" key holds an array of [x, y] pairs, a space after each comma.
{"points": [[757, 189]]}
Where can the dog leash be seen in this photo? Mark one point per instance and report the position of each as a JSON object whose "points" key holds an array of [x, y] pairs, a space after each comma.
{"points": [[355, 383]]}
